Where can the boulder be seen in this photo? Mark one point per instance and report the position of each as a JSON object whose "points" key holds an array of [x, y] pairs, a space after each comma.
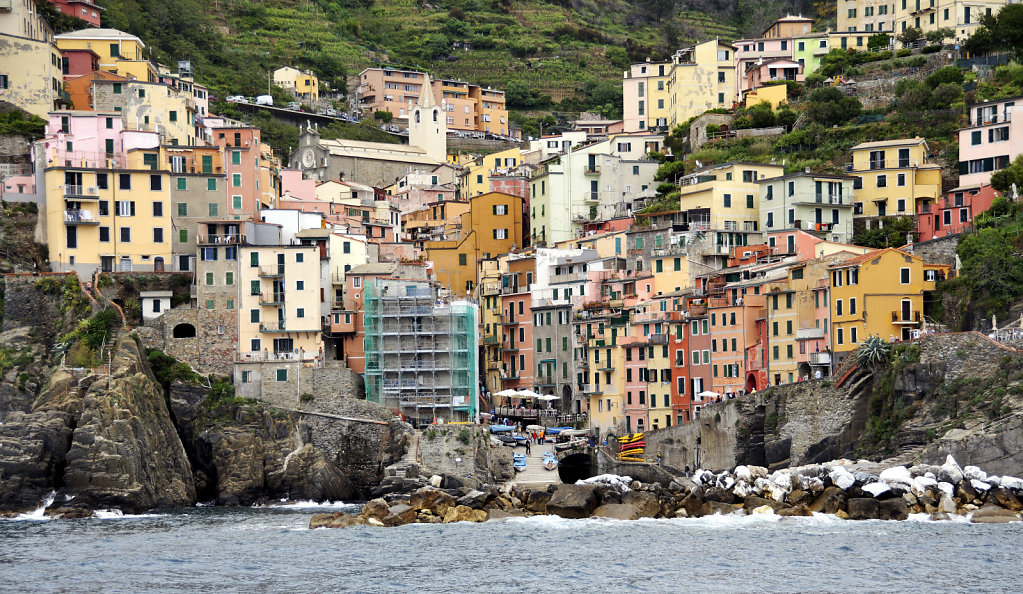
{"points": [[979, 486], [1012, 483], [841, 478], [436, 481], [711, 508], [993, 515], [375, 508], [692, 505], [1004, 498], [798, 510], [474, 499], [450, 481], [893, 509], [573, 501], [754, 502], [502, 514], [946, 504], [831, 501], [799, 497], [399, 515], [762, 510], [619, 511], [647, 505], [436, 502], [536, 501], [864, 508], [720, 495], [323, 520], [897, 476], [950, 472], [743, 473], [876, 489], [974, 473], [462, 513]]}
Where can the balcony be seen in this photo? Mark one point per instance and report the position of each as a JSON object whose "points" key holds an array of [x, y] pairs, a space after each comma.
{"points": [[592, 170], [222, 239], [899, 318], [569, 278], [820, 358], [672, 250], [589, 196], [80, 217], [79, 193], [283, 326], [658, 339], [335, 323], [271, 271], [809, 333], [592, 389], [545, 381], [491, 340], [493, 365], [271, 299]]}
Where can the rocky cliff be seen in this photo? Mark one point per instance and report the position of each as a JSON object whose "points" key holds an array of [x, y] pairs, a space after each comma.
{"points": [[959, 394]]}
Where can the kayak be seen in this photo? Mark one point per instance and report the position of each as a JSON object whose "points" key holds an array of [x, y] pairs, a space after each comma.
{"points": [[631, 459]]}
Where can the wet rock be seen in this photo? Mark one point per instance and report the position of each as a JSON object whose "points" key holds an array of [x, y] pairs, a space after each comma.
{"points": [[1005, 498], [502, 514], [69, 513], [711, 508], [474, 499], [893, 509], [399, 515], [754, 502], [646, 504], [798, 510], [950, 472], [720, 495], [573, 501], [831, 501], [800, 497], [462, 513], [619, 511], [864, 508], [536, 501], [436, 502], [993, 515], [375, 508]]}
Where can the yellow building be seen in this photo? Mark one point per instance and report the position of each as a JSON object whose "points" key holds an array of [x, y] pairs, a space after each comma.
{"points": [[491, 319], [606, 384], [491, 227], [724, 201], [150, 106], [109, 219], [893, 176], [659, 380], [657, 96], [279, 301], [31, 74], [879, 293], [872, 16], [303, 84], [475, 179], [119, 52]]}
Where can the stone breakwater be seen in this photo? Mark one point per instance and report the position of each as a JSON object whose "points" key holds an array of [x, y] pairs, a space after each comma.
{"points": [[854, 491]]}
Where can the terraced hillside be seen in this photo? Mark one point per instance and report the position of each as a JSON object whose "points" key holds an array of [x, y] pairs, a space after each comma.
{"points": [[554, 47]]}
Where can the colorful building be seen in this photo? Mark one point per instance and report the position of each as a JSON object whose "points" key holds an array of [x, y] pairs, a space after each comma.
{"points": [[894, 176], [991, 142], [303, 84], [119, 52]]}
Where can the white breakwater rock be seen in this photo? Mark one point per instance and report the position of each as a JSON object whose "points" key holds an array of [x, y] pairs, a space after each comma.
{"points": [[842, 478], [876, 489], [620, 483], [897, 476]]}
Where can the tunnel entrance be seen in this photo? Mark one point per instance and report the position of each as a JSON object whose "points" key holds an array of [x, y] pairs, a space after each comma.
{"points": [[575, 467]]}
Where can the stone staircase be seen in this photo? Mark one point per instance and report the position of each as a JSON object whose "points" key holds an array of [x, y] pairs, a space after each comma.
{"points": [[404, 474]]}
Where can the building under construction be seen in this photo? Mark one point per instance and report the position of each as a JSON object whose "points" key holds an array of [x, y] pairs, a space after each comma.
{"points": [[420, 351]]}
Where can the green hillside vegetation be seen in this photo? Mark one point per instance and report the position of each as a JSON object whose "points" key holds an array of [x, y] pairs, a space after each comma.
{"points": [[552, 48]]}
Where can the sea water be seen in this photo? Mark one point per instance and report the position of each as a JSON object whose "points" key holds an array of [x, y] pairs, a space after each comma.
{"points": [[271, 549]]}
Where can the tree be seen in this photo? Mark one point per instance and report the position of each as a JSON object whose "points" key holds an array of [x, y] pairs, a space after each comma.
{"points": [[939, 35], [893, 234], [879, 41], [1003, 180], [830, 107], [383, 116], [945, 95], [948, 74], [1006, 28], [670, 171], [910, 35], [990, 266]]}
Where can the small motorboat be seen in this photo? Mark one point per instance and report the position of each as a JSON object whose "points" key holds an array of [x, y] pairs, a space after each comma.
{"points": [[508, 441], [520, 440], [550, 461], [519, 462]]}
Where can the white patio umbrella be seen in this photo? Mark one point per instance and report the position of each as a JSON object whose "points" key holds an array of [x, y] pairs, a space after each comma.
{"points": [[708, 394], [548, 397], [528, 394], [506, 393]]}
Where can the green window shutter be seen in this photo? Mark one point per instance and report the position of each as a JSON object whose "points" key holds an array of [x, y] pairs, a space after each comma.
{"points": [[213, 209], [211, 184], [229, 278], [236, 157], [182, 183], [254, 259], [182, 209], [254, 287], [237, 202], [254, 316], [183, 235]]}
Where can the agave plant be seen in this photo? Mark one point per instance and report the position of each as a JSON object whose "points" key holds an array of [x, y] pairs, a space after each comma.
{"points": [[873, 350]]}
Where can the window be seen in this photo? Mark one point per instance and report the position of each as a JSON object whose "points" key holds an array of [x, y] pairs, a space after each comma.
{"points": [[182, 235], [299, 257], [158, 209], [749, 200], [300, 312], [721, 77], [182, 183], [213, 209], [254, 287], [125, 208], [236, 202], [500, 233], [282, 375], [900, 180], [975, 137], [904, 276], [236, 180], [882, 181], [236, 157], [211, 184], [500, 209], [209, 279], [838, 307], [182, 209], [123, 181], [158, 235], [299, 285], [104, 234], [229, 279], [728, 200], [125, 234], [462, 260]]}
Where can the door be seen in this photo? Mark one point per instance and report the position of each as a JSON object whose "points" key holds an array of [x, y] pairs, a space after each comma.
{"points": [[280, 263], [125, 264], [106, 263], [158, 264], [907, 313], [183, 263]]}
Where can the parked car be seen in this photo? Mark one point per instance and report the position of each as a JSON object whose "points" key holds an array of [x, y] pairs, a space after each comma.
{"points": [[331, 112], [236, 99], [294, 106], [265, 100]]}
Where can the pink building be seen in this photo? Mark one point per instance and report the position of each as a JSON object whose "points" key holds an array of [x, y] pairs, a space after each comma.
{"points": [[759, 73], [92, 139], [293, 184], [634, 350], [77, 62], [17, 185], [241, 153], [954, 213], [81, 9], [992, 140]]}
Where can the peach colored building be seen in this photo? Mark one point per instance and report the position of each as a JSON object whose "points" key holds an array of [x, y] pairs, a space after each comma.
{"points": [[993, 139], [953, 213]]}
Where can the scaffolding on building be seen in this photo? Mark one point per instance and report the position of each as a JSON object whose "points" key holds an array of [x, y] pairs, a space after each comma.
{"points": [[420, 353]]}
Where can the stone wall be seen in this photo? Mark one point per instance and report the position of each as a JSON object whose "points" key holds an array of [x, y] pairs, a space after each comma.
{"points": [[211, 351], [717, 427], [323, 387], [26, 305], [937, 251]]}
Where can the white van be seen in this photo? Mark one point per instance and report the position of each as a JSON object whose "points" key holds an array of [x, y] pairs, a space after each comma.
{"points": [[264, 100]]}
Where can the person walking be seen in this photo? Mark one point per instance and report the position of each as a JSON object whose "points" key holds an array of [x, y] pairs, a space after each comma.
{"points": [[527, 447]]}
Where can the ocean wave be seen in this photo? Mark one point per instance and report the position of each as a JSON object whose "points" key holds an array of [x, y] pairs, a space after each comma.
{"points": [[38, 514], [309, 504], [116, 514]]}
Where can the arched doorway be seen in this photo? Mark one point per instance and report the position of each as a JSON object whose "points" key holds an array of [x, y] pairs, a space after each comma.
{"points": [[575, 467], [184, 331], [804, 370], [751, 383], [566, 400], [158, 264]]}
